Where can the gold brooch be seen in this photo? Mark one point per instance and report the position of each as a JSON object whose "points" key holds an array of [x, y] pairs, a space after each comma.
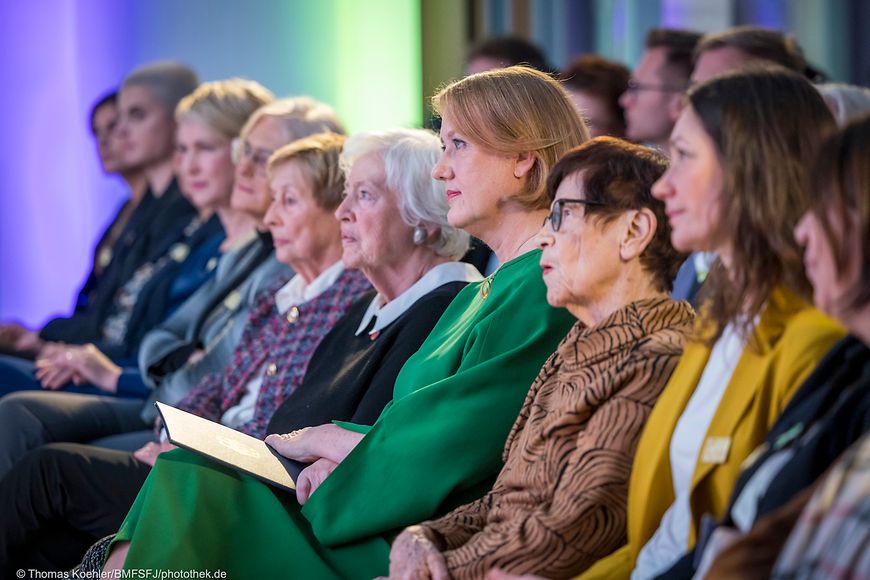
{"points": [[179, 252], [293, 315], [485, 287]]}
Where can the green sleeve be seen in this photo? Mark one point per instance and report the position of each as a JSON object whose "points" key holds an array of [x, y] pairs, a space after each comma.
{"points": [[441, 444], [355, 427]]}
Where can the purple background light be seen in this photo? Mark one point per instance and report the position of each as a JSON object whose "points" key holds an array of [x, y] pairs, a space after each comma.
{"points": [[59, 57]]}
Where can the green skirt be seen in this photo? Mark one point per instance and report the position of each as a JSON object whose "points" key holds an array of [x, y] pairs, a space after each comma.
{"points": [[192, 503]]}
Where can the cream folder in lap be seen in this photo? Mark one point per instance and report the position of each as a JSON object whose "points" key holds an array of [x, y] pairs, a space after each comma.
{"points": [[229, 447]]}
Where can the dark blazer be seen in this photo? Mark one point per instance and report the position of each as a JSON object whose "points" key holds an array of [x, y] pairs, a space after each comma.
{"points": [[170, 286], [93, 279], [155, 226]]}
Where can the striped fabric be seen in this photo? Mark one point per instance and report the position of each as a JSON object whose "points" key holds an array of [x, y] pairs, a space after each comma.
{"points": [[559, 503], [282, 344], [832, 537]]}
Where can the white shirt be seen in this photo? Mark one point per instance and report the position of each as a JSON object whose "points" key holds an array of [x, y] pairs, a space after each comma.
{"points": [[437, 276], [671, 539], [291, 294]]}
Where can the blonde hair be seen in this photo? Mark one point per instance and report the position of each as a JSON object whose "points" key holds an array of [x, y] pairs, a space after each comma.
{"points": [[223, 105], [300, 117], [318, 156], [515, 110]]}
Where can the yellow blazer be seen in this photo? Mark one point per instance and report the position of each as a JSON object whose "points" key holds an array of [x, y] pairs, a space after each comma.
{"points": [[791, 339]]}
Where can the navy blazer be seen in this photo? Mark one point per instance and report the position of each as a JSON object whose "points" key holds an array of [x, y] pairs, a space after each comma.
{"points": [[157, 224]]}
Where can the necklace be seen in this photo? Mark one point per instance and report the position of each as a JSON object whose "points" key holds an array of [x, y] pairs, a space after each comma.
{"points": [[486, 285]]}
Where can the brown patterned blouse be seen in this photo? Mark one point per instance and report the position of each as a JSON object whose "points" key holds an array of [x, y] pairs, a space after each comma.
{"points": [[559, 503]]}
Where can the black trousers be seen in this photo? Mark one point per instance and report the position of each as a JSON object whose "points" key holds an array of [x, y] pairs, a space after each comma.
{"points": [[60, 499]]}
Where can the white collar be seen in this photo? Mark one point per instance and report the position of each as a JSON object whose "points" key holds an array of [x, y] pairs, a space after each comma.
{"points": [[295, 291], [702, 262], [437, 276]]}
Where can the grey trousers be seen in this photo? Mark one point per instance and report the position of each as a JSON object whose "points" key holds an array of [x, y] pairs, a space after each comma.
{"points": [[30, 419]]}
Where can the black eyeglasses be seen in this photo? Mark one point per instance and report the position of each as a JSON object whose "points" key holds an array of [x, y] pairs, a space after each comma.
{"points": [[555, 216], [634, 86]]}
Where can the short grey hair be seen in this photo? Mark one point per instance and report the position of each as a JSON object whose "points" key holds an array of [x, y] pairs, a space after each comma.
{"points": [[409, 156], [168, 82], [301, 116]]}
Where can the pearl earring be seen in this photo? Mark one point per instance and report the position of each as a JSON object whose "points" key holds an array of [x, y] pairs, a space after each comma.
{"points": [[420, 235]]}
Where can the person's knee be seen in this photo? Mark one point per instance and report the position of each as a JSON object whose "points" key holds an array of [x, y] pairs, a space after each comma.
{"points": [[60, 453], [14, 404], [52, 462], [20, 429]]}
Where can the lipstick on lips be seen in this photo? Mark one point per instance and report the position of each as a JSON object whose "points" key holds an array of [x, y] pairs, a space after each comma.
{"points": [[453, 194]]}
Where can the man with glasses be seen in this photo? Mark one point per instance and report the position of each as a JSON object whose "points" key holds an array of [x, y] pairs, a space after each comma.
{"points": [[654, 96]]}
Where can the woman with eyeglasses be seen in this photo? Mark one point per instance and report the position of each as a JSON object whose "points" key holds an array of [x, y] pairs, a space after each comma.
{"points": [[737, 186], [438, 443], [559, 502], [200, 336]]}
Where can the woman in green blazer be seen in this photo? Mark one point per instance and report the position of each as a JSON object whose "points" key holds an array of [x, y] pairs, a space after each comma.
{"points": [[737, 186], [438, 443]]}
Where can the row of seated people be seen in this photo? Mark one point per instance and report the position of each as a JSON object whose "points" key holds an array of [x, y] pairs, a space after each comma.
{"points": [[619, 221]]}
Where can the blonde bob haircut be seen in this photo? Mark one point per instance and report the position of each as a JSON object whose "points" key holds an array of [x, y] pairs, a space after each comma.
{"points": [[300, 117], [317, 156], [515, 110], [409, 156], [223, 105]]}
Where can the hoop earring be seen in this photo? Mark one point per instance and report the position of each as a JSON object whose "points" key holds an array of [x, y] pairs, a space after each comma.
{"points": [[420, 235]]}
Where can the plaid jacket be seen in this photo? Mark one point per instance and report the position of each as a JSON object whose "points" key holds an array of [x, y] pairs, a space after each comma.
{"points": [[283, 344]]}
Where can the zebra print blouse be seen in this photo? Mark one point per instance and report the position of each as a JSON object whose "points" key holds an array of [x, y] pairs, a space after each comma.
{"points": [[559, 503]]}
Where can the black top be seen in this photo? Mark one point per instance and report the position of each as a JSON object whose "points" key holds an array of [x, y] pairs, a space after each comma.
{"points": [[829, 412], [154, 227], [93, 279], [351, 378]]}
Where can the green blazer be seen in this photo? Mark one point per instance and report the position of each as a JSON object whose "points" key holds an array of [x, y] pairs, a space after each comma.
{"points": [[791, 338]]}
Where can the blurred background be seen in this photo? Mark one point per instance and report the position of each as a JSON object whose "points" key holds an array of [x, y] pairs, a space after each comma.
{"points": [[375, 61]]}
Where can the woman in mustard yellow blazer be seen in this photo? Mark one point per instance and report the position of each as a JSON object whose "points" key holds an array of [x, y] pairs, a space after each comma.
{"points": [[736, 186]]}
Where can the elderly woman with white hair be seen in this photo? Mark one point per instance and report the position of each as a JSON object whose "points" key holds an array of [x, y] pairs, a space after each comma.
{"points": [[412, 264], [394, 229], [439, 440]]}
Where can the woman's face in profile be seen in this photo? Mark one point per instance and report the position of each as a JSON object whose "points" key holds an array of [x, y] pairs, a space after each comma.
{"points": [[581, 261], [373, 234], [477, 182], [251, 193], [830, 286], [691, 188], [301, 229]]}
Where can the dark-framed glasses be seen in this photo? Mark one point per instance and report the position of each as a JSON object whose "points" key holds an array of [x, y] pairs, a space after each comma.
{"points": [[555, 216], [258, 158], [634, 87]]}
